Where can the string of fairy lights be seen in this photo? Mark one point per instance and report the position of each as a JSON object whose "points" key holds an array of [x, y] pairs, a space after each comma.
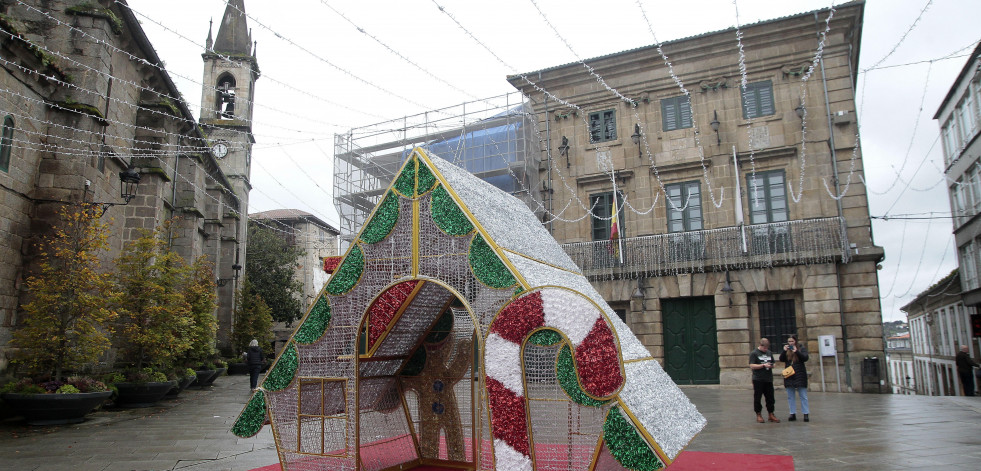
{"points": [[135, 149]]}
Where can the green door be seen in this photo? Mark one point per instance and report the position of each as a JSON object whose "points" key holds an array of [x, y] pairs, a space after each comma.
{"points": [[691, 348]]}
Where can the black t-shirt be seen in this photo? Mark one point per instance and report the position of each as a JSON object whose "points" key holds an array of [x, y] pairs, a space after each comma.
{"points": [[758, 358]]}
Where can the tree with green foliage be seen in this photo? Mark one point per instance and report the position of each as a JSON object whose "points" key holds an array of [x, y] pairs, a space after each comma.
{"points": [[155, 319], [252, 319], [199, 292], [67, 322], [270, 266]]}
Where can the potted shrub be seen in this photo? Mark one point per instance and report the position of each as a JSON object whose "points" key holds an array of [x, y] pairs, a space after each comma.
{"points": [[66, 324], [140, 388], [151, 332], [202, 299], [210, 371], [55, 402], [184, 378]]}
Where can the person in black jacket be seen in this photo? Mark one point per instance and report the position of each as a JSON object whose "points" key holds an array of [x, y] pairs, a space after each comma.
{"points": [[965, 366], [254, 360], [795, 355], [761, 362]]}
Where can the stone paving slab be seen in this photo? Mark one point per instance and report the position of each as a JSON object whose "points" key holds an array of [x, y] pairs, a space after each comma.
{"points": [[846, 432]]}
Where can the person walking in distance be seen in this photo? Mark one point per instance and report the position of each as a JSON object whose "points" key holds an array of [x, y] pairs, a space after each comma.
{"points": [[794, 356], [761, 362], [965, 369], [254, 359]]}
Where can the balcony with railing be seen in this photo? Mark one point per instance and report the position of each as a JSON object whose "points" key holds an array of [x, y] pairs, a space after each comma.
{"points": [[799, 242]]}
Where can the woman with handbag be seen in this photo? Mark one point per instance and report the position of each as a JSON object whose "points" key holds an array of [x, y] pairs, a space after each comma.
{"points": [[795, 377]]}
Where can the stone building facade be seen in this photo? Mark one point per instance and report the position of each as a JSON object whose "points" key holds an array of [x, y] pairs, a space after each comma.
{"points": [[728, 230], [83, 97], [959, 117], [939, 323]]}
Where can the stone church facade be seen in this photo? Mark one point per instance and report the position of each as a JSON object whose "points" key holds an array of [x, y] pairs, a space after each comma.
{"points": [[735, 227], [83, 98]]}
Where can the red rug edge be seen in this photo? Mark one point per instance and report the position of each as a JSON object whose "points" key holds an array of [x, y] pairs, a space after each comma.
{"points": [[688, 460]]}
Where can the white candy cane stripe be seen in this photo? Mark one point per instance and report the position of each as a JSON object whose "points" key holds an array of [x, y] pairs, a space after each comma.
{"points": [[569, 313], [500, 360], [507, 458]]}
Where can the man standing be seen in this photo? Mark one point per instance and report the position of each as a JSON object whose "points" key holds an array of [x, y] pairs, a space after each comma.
{"points": [[761, 362], [965, 369]]}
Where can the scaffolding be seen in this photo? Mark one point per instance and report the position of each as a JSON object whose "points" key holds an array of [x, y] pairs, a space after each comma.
{"points": [[493, 138]]}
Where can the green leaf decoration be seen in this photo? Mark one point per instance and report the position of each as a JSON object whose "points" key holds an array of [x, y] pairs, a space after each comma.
{"points": [[565, 368], [448, 217], [315, 324], [348, 273], [545, 338], [406, 183], [282, 374], [626, 445], [382, 222], [250, 421], [426, 178], [487, 267]]}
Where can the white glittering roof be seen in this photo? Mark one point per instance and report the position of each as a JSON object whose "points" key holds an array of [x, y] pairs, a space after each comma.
{"points": [[507, 220]]}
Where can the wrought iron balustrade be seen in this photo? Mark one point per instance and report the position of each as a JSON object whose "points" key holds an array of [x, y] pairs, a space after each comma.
{"points": [[799, 242]]}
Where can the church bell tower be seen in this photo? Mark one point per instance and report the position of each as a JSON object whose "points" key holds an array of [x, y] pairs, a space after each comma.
{"points": [[230, 73]]}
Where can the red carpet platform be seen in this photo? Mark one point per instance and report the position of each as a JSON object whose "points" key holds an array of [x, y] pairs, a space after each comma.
{"points": [[687, 461], [702, 460]]}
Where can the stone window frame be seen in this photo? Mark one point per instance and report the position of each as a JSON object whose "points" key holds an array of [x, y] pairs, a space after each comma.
{"points": [[755, 327], [682, 199], [602, 126], [758, 92], [6, 142], [676, 113], [600, 228], [765, 196]]}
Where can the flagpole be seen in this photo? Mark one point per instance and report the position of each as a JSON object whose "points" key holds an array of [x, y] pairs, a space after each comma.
{"points": [[616, 217]]}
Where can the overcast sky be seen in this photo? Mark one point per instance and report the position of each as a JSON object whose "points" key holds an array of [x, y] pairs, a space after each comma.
{"points": [[321, 75]]}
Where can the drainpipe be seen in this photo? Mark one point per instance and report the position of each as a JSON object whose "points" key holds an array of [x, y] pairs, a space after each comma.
{"points": [[548, 157], [844, 226]]}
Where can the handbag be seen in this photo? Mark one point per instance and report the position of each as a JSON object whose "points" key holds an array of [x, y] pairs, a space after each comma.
{"points": [[789, 371]]}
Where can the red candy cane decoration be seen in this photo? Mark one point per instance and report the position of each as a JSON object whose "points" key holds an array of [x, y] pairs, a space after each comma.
{"points": [[595, 349]]}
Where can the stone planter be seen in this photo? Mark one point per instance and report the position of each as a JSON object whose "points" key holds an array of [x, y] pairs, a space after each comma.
{"points": [[204, 378], [218, 373], [53, 409], [142, 394], [182, 384], [238, 369]]}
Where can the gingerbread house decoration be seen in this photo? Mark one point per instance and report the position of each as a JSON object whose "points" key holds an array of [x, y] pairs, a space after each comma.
{"points": [[457, 334]]}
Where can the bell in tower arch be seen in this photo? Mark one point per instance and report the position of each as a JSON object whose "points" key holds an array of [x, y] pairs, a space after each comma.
{"points": [[225, 100]]}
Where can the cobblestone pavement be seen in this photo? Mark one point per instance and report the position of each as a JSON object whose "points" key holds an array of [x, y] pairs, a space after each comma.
{"points": [[846, 431]]}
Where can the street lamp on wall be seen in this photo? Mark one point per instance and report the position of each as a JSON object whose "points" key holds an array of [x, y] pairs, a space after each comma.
{"points": [[636, 138], [129, 180], [715, 126], [727, 288], [639, 294], [564, 150], [223, 281]]}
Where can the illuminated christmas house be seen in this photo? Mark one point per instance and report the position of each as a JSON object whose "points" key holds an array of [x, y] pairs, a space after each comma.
{"points": [[457, 333]]}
